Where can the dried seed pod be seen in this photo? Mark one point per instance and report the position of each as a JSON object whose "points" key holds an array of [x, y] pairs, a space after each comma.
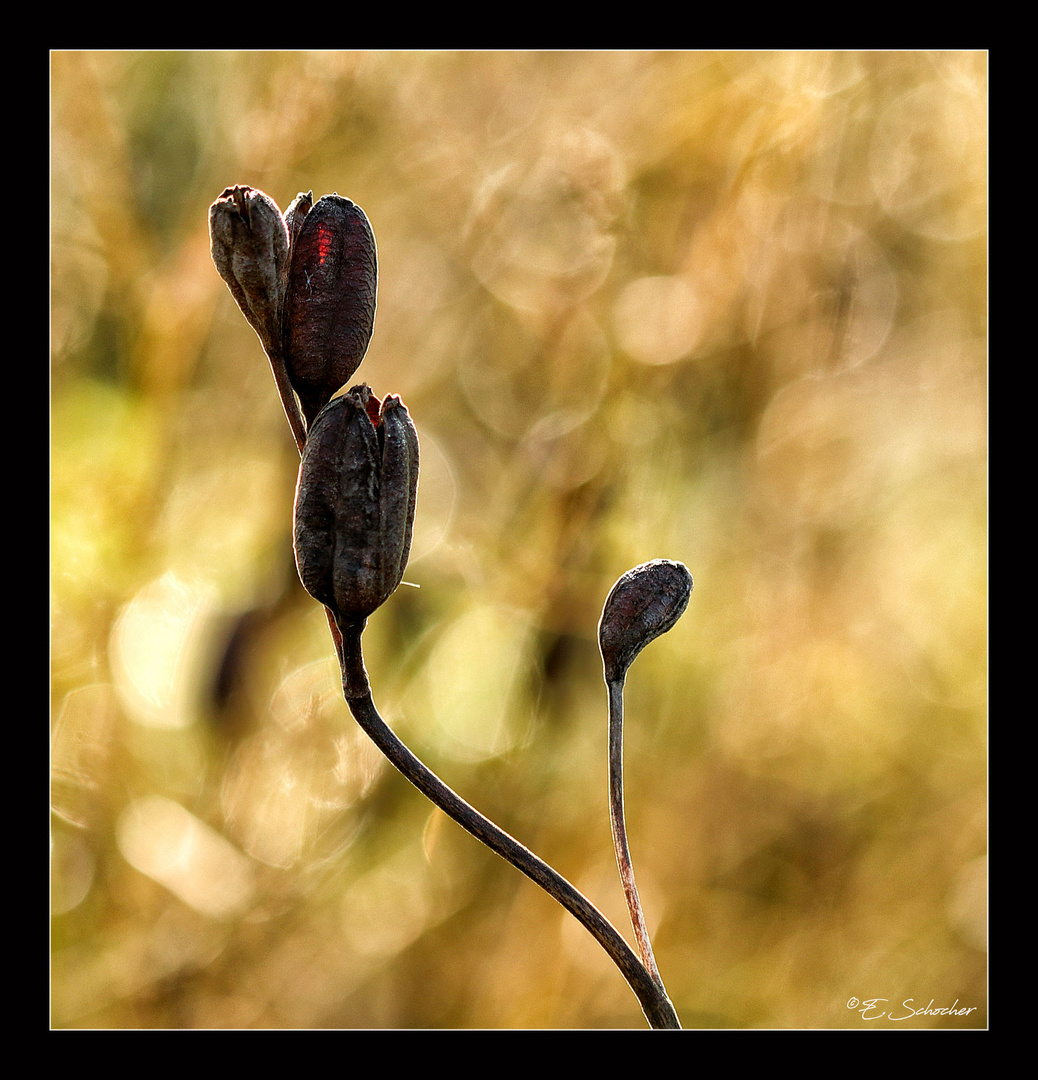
{"points": [[249, 245], [330, 300], [297, 210], [355, 502], [646, 602]]}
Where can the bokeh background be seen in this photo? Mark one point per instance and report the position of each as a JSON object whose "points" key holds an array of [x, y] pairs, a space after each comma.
{"points": [[727, 308]]}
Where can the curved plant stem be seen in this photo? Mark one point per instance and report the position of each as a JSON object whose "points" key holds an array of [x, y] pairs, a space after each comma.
{"points": [[649, 990], [616, 820]]}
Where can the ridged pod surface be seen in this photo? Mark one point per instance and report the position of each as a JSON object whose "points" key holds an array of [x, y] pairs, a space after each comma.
{"points": [[248, 240], [646, 602], [329, 309], [355, 502]]}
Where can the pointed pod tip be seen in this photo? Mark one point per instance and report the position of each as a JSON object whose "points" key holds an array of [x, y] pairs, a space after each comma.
{"points": [[249, 244], [643, 604]]}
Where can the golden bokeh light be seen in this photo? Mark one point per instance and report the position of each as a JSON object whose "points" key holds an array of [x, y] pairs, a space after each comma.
{"points": [[727, 308]]}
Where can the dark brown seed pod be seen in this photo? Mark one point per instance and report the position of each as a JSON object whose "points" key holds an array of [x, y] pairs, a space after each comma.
{"points": [[646, 602], [330, 300], [249, 245], [297, 210], [355, 503]]}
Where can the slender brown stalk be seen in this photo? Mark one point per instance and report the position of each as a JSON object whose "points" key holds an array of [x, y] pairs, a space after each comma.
{"points": [[644, 603], [619, 827], [288, 399], [648, 989]]}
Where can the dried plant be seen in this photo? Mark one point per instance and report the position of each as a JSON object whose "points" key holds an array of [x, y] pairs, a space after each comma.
{"points": [[306, 281]]}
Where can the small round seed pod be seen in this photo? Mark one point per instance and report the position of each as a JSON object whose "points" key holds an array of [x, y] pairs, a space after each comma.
{"points": [[646, 602]]}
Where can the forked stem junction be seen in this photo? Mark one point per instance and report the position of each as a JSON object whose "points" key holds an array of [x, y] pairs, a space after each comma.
{"points": [[646, 984]]}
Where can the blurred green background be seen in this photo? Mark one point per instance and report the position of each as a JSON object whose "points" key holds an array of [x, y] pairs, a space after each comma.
{"points": [[727, 308]]}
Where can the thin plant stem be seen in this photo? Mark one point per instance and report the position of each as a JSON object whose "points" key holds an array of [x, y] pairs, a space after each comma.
{"points": [[619, 827], [288, 399], [647, 988]]}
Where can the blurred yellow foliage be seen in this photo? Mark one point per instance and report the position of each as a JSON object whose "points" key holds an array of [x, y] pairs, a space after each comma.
{"points": [[726, 308]]}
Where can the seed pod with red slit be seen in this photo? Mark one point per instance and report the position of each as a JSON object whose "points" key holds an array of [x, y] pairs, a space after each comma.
{"points": [[329, 309]]}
